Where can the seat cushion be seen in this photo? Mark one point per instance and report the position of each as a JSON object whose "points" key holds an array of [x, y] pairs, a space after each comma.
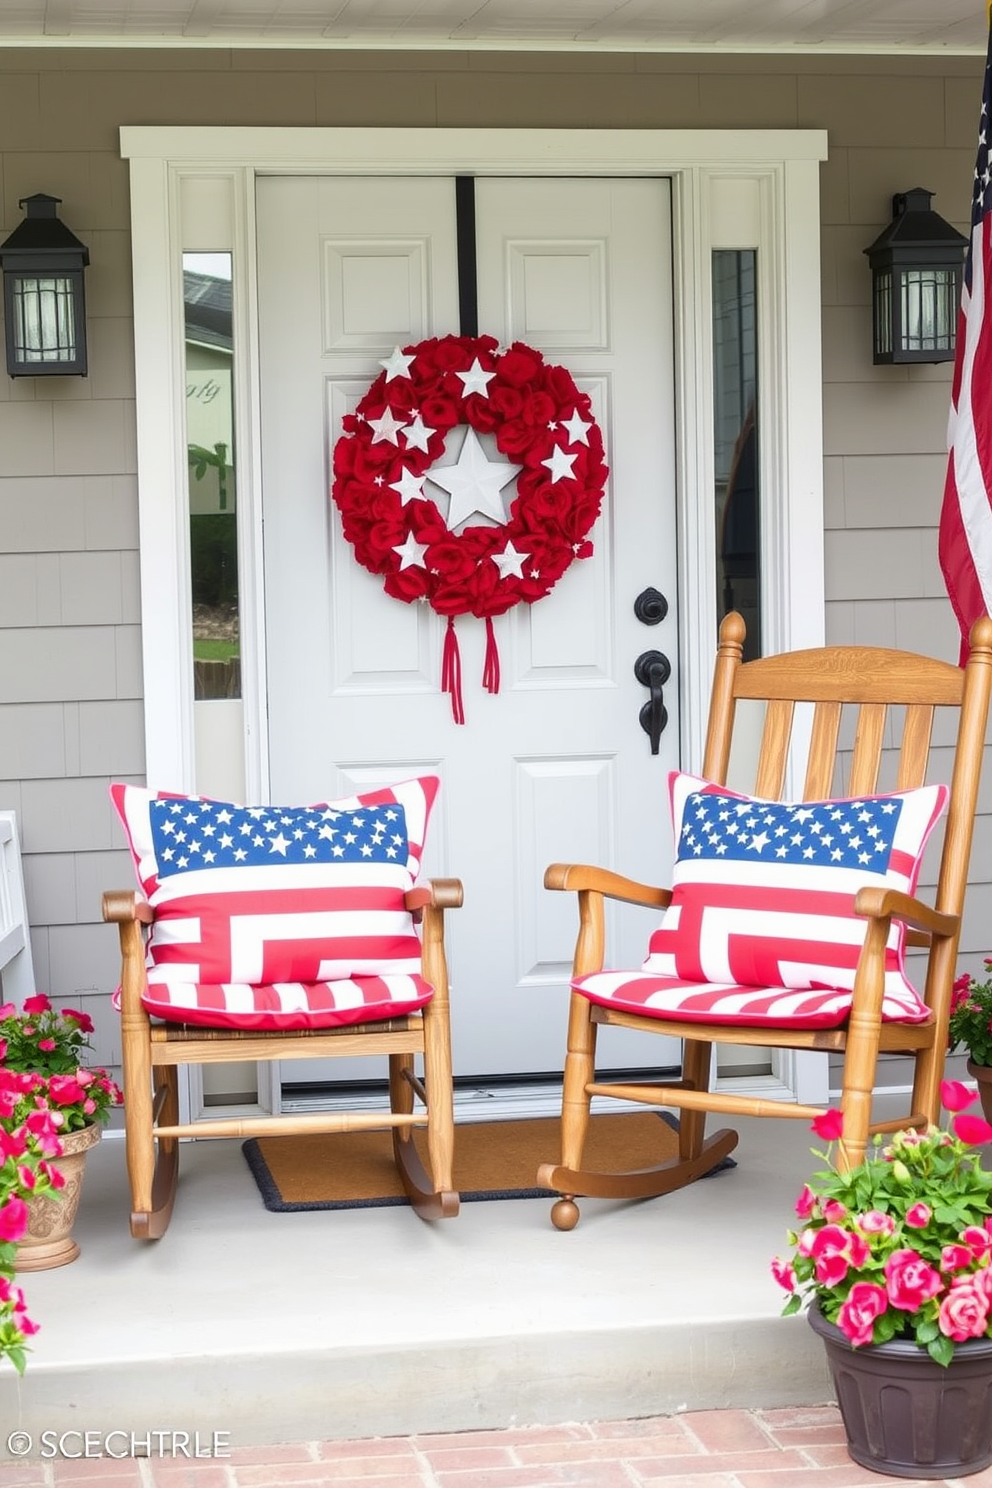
{"points": [[762, 903], [287, 1005], [265, 896]]}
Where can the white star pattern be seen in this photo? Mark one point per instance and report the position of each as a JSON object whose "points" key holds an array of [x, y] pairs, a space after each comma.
{"points": [[416, 433], [474, 483], [409, 486], [385, 428], [560, 464], [397, 364], [411, 553], [578, 429], [475, 380], [510, 561]]}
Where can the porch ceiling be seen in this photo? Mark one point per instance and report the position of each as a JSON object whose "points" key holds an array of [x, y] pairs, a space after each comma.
{"points": [[658, 25]]}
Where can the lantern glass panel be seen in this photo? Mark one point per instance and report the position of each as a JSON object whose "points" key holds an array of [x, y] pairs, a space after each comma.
{"points": [[45, 319], [883, 313], [929, 302]]}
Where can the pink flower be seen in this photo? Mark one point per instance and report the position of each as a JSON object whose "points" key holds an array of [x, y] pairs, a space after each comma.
{"points": [[805, 1202], [973, 1130], [910, 1281], [784, 1273], [964, 1311], [956, 1097], [834, 1251], [13, 1220], [874, 1222], [956, 1257], [918, 1216], [856, 1319], [48, 1044], [829, 1126], [39, 1003], [83, 1020], [834, 1211], [978, 1238]]}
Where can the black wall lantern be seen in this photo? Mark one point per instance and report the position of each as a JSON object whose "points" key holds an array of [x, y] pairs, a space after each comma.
{"points": [[43, 298], [916, 270]]}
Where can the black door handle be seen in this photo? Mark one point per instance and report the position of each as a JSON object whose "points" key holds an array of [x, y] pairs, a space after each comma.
{"points": [[653, 669], [650, 607]]}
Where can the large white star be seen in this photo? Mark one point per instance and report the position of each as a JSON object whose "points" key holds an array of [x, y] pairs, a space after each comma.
{"points": [[386, 428], [397, 364], [559, 464], [510, 561], [577, 428], [474, 483], [475, 380], [409, 486], [411, 553], [417, 434]]}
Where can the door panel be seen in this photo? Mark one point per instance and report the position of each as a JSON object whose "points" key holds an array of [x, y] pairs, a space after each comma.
{"points": [[556, 765]]}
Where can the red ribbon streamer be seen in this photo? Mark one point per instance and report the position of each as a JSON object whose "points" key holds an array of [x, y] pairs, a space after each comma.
{"points": [[451, 671], [490, 672]]}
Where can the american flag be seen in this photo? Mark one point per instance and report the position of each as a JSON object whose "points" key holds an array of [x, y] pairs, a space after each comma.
{"points": [[965, 541], [763, 891], [264, 895]]}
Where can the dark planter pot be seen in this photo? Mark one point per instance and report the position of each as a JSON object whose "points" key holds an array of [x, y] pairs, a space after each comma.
{"points": [[904, 1414], [982, 1073]]}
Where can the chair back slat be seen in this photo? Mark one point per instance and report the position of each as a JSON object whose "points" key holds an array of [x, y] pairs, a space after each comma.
{"points": [[915, 751], [867, 757], [822, 757], [772, 761], [851, 674]]}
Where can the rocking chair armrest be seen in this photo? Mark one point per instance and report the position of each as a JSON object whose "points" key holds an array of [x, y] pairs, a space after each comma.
{"points": [[581, 877], [441, 893], [122, 905], [884, 904]]}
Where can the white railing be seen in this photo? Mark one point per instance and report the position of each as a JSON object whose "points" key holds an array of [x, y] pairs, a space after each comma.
{"points": [[16, 969]]}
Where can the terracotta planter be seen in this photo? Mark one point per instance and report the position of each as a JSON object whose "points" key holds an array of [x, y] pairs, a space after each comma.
{"points": [[904, 1414], [982, 1073], [49, 1239]]}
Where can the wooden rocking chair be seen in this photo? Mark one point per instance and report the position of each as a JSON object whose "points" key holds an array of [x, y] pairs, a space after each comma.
{"points": [[366, 975], [739, 957]]}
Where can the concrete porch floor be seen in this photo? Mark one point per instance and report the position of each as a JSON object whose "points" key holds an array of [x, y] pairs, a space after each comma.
{"points": [[281, 1328]]}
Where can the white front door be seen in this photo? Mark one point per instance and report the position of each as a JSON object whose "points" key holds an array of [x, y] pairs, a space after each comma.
{"points": [[556, 765]]}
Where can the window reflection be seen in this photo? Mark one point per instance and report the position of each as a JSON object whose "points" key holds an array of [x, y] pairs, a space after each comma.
{"points": [[735, 379], [212, 485]]}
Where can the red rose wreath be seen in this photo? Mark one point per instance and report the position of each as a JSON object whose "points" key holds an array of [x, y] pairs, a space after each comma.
{"points": [[524, 453]]}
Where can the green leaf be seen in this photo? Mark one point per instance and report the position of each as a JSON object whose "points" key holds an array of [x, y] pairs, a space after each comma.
{"points": [[941, 1350]]}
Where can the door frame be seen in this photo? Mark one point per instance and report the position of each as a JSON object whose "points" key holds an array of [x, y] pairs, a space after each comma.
{"points": [[192, 190]]}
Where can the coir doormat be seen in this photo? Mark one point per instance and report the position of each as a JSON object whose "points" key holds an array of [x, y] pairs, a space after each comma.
{"points": [[493, 1160]]}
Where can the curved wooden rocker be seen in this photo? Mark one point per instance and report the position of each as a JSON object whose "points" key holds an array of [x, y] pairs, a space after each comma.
{"points": [[880, 687], [152, 1051]]}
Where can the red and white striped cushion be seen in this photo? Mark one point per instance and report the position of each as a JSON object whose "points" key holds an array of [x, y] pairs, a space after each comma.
{"points": [[287, 1005], [280, 916], [723, 1002], [761, 927]]}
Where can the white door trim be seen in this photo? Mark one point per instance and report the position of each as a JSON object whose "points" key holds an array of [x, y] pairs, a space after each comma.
{"points": [[192, 189]]}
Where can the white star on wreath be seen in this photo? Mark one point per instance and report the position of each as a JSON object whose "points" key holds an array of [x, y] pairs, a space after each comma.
{"points": [[510, 561], [474, 483], [386, 427], [397, 364], [411, 552]]}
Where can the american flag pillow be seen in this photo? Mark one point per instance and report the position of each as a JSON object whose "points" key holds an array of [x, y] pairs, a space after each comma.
{"points": [[255, 896], [761, 925]]}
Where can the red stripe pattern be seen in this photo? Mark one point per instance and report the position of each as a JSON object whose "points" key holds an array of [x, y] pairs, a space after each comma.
{"points": [[760, 928], [289, 917], [965, 539]]}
